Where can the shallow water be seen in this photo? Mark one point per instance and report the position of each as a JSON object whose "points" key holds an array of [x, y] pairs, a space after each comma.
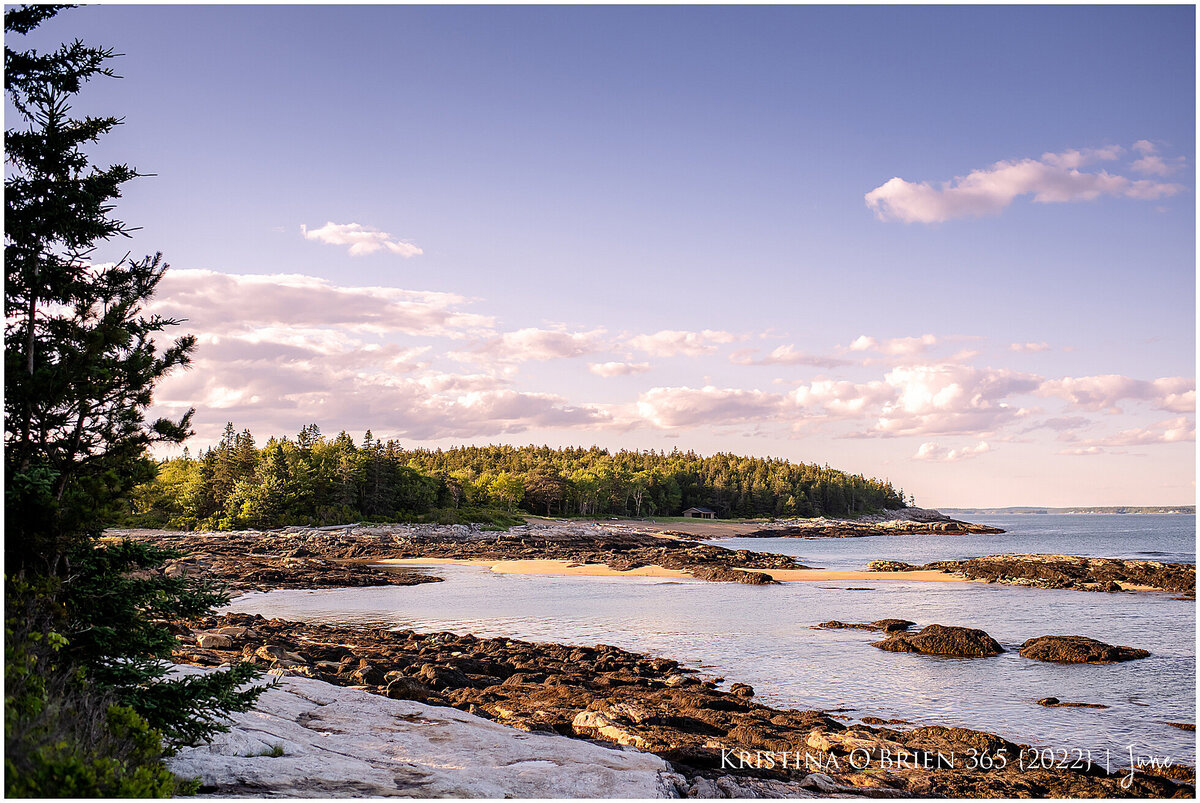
{"points": [[764, 636]]}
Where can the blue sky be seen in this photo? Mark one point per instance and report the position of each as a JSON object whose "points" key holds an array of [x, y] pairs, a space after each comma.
{"points": [[620, 211]]}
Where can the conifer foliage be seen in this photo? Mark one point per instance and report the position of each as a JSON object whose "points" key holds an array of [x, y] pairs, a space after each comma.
{"points": [[315, 480], [87, 703]]}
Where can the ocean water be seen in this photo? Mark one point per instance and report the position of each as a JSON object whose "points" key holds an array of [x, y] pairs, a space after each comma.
{"points": [[765, 635], [1168, 538]]}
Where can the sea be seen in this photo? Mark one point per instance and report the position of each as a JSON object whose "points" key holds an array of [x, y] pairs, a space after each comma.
{"points": [[766, 635]]}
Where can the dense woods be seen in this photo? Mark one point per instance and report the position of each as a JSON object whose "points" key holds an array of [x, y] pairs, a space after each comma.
{"points": [[312, 479]]}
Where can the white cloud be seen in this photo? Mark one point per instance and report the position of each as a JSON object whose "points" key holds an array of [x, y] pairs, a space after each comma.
{"points": [[1173, 430], [896, 346], [218, 302], [669, 343], [1154, 164], [534, 345], [842, 399], [1029, 348], [1055, 178], [707, 406], [362, 240], [611, 369], [1104, 392], [785, 355], [934, 452], [947, 399]]}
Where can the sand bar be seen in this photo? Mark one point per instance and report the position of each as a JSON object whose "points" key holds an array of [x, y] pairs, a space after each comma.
{"points": [[565, 567]]}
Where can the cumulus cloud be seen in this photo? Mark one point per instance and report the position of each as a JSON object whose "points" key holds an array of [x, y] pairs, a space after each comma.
{"points": [[216, 302], [1154, 164], [842, 399], [1029, 348], [934, 452], [533, 344], [896, 346], [1105, 392], [948, 399], [707, 406], [1054, 178], [276, 352], [611, 369], [670, 343], [362, 240], [785, 355]]}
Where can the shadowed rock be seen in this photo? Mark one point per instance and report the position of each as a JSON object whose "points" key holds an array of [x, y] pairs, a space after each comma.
{"points": [[952, 642], [1054, 702], [1078, 650], [1069, 571], [602, 692], [884, 625]]}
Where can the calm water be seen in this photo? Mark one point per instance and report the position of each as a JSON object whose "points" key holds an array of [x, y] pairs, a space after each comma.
{"points": [[1170, 538], [764, 635]]}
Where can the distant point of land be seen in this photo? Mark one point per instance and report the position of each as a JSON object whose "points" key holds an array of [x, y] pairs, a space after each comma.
{"points": [[1189, 510]]}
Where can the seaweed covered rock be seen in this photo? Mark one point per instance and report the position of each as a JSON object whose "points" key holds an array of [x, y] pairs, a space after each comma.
{"points": [[885, 625], [1078, 650], [946, 640]]}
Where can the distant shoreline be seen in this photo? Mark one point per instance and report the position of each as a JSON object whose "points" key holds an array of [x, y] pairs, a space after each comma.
{"points": [[1114, 510]]}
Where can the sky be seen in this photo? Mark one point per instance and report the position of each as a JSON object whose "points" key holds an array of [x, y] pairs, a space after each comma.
{"points": [[952, 247]]}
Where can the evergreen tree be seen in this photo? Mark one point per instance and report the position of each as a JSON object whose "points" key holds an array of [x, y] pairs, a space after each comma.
{"points": [[79, 356], [81, 362]]}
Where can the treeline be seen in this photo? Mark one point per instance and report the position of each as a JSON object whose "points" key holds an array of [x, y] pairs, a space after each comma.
{"points": [[316, 480]]}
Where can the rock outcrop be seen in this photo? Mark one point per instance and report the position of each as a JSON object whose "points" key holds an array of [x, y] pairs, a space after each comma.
{"points": [[312, 739], [1063, 571], [307, 557], [850, 528], [948, 641], [715, 739], [1068, 571], [1078, 650]]}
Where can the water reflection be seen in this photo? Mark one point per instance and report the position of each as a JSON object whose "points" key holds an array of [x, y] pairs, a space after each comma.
{"points": [[764, 636]]}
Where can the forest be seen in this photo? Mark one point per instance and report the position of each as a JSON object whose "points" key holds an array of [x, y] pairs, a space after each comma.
{"points": [[315, 480]]}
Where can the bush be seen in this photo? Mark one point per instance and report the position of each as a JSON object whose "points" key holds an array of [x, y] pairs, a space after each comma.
{"points": [[65, 737]]}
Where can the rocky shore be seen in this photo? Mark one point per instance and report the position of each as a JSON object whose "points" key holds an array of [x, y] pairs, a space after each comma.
{"points": [[1064, 571], [908, 521], [311, 739], [720, 742], [306, 557]]}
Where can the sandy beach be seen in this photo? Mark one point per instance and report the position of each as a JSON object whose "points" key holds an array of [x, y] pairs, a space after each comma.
{"points": [[563, 567]]}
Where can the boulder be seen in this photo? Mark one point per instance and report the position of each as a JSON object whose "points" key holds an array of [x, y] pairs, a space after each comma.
{"points": [[607, 725], [949, 641], [403, 688], [1078, 650], [741, 690], [214, 641], [893, 625], [276, 655], [442, 677], [891, 566]]}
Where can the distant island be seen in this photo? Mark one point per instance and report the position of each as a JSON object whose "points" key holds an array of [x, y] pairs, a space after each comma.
{"points": [[1189, 510]]}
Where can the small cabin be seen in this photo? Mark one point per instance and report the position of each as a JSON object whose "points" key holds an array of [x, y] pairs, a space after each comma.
{"points": [[699, 513]]}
